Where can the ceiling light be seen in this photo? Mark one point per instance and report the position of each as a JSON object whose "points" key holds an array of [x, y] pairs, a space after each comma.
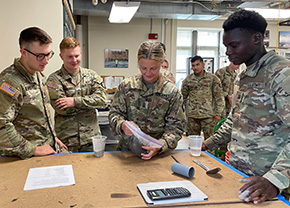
{"points": [[122, 12], [95, 2], [272, 13]]}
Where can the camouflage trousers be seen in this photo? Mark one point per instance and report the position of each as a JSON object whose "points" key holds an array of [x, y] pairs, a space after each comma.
{"points": [[194, 126]]}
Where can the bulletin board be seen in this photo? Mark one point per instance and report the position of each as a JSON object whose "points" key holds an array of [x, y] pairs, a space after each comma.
{"points": [[112, 82]]}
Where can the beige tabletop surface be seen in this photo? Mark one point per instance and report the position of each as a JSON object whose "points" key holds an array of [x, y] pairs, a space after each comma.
{"points": [[111, 181]]}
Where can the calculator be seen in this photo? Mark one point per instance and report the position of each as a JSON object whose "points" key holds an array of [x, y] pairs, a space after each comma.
{"points": [[168, 193]]}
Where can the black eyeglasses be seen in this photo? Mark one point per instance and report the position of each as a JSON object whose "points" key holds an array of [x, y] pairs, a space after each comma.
{"points": [[41, 56]]}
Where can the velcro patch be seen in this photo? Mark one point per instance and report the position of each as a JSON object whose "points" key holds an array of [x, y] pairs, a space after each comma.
{"points": [[8, 89], [52, 85], [256, 85]]}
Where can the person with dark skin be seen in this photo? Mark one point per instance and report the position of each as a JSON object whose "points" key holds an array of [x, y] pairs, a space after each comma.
{"points": [[258, 126]]}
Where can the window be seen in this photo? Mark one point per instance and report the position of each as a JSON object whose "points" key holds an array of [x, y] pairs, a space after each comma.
{"points": [[183, 46], [208, 44]]}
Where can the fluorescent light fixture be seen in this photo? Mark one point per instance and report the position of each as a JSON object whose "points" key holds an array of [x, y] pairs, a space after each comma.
{"points": [[272, 13], [122, 12]]}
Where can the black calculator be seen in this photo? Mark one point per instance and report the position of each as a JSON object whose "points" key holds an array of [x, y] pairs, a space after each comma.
{"points": [[168, 193]]}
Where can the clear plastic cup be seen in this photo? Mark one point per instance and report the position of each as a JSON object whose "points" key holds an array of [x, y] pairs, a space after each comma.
{"points": [[99, 143], [195, 142]]}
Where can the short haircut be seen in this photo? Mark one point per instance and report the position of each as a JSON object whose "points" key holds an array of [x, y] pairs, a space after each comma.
{"points": [[33, 34], [196, 58], [166, 61], [69, 42], [248, 20], [151, 50]]}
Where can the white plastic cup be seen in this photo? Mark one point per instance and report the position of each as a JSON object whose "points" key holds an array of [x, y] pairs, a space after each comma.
{"points": [[99, 143], [195, 142]]}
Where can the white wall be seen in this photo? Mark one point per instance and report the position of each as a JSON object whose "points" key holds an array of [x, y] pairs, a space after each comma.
{"points": [[17, 15], [103, 35]]}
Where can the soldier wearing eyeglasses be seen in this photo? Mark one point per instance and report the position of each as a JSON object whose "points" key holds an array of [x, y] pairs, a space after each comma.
{"points": [[25, 121]]}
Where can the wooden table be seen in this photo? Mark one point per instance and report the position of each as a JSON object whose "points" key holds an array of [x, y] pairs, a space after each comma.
{"points": [[110, 181]]}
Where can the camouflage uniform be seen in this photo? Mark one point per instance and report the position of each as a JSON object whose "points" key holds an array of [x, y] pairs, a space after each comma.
{"points": [[75, 126], [204, 98], [157, 110], [168, 75], [23, 122], [259, 124], [227, 78]]}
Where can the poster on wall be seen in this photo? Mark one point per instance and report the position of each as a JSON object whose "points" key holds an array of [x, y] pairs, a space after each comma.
{"points": [[116, 58], [284, 39], [266, 38], [209, 65]]}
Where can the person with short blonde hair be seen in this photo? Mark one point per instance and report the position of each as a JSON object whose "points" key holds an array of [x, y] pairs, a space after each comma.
{"points": [[75, 94], [149, 101], [69, 42]]}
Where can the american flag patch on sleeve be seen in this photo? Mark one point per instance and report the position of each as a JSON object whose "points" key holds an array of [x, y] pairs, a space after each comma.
{"points": [[8, 89], [51, 85]]}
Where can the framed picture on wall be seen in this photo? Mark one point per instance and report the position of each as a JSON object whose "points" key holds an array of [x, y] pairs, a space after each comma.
{"points": [[116, 58], [284, 39], [209, 64]]}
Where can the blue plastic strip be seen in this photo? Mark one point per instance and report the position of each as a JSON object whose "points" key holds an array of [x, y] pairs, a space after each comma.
{"points": [[280, 197], [76, 153], [232, 168]]}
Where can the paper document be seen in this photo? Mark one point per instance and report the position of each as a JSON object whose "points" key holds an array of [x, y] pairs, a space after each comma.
{"points": [[196, 194], [49, 177], [109, 82], [118, 81]]}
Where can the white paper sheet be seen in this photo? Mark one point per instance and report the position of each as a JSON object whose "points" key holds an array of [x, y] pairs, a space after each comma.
{"points": [[196, 193], [109, 82], [49, 177], [118, 80]]}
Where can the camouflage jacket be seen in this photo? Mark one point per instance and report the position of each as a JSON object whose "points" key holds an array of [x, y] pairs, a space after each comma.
{"points": [[168, 75], [23, 123], [157, 110], [259, 125], [203, 95], [75, 126], [227, 79]]}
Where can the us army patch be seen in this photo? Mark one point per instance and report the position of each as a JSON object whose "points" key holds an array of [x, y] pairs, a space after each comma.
{"points": [[52, 85], [8, 89]]}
